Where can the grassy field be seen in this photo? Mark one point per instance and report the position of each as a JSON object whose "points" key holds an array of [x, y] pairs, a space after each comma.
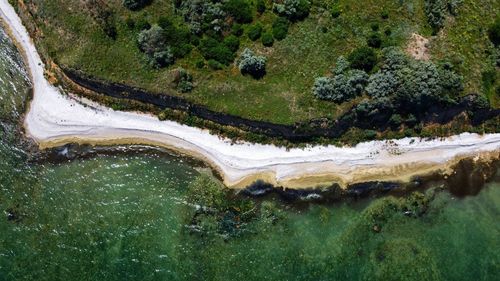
{"points": [[72, 37]]}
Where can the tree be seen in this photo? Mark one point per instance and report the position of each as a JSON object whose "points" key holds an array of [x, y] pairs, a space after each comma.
{"points": [[152, 40], [251, 64], [240, 10], [363, 58], [280, 28]]}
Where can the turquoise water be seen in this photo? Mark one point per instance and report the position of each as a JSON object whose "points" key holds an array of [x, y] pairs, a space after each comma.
{"points": [[150, 216]]}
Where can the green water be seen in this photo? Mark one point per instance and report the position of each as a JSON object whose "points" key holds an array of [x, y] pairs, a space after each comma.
{"points": [[133, 216]]}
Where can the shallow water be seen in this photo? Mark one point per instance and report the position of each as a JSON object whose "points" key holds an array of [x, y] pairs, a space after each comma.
{"points": [[128, 216]]}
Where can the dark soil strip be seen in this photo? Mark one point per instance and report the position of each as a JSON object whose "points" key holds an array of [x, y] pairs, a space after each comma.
{"points": [[295, 133]]}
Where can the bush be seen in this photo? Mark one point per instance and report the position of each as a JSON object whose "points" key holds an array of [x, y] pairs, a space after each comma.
{"points": [[237, 29], [152, 40], [294, 10], [240, 10], [494, 32], [267, 39], [232, 42], [363, 58], [342, 87], [251, 64], [200, 64], [213, 49], [254, 31], [261, 6], [374, 40], [135, 5], [280, 28], [374, 26], [130, 23]]}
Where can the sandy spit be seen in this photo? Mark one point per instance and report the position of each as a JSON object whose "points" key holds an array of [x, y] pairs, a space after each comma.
{"points": [[54, 119]]}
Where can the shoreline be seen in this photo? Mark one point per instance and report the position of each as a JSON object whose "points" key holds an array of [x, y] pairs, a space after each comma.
{"points": [[54, 119]]}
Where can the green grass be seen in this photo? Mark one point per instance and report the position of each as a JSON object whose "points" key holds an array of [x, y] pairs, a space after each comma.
{"points": [[284, 95], [464, 40]]}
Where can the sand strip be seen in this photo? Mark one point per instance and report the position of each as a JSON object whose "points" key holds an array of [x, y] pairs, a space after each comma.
{"points": [[54, 119]]}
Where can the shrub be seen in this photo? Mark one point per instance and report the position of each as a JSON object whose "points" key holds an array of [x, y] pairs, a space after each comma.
{"points": [[294, 10], [162, 58], [254, 31], [363, 58], [215, 65], [280, 28], [200, 64], [142, 24], [251, 64], [135, 5], [494, 32], [374, 26], [130, 23], [232, 42], [374, 40], [267, 39], [436, 11], [384, 15], [261, 6], [240, 10], [237, 29], [164, 22], [335, 11], [184, 80]]}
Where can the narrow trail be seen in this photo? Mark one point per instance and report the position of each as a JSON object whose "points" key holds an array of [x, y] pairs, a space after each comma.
{"points": [[55, 119]]}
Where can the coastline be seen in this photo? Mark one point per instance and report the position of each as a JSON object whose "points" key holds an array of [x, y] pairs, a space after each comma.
{"points": [[54, 119]]}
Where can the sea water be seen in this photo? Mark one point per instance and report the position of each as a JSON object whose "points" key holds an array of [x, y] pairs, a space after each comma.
{"points": [[126, 216]]}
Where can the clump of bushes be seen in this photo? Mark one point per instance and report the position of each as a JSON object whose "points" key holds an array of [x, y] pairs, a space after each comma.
{"points": [[345, 85], [212, 49], [413, 85], [251, 64], [280, 28], [363, 58], [204, 16], [135, 5], [294, 10], [437, 10]]}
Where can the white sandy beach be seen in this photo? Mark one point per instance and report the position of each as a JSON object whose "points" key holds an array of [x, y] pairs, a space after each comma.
{"points": [[55, 119]]}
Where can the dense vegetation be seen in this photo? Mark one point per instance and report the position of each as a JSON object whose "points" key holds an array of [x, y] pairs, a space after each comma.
{"points": [[269, 54]]}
